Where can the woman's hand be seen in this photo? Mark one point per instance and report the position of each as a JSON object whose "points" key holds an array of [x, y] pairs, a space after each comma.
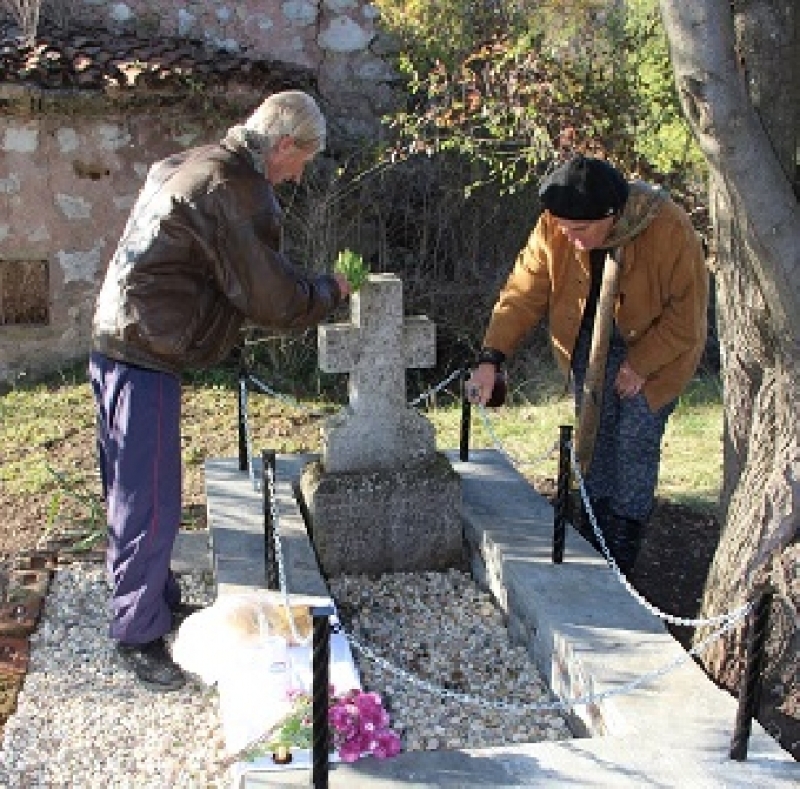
{"points": [[480, 384], [629, 383]]}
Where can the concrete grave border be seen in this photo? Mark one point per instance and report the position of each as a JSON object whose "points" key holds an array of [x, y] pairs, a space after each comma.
{"points": [[582, 628]]}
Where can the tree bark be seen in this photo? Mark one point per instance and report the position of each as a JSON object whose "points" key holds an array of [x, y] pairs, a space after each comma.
{"points": [[736, 70], [594, 384]]}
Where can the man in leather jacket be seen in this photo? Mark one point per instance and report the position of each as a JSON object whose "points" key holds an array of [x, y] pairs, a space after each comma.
{"points": [[200, 254], [658, 333]]}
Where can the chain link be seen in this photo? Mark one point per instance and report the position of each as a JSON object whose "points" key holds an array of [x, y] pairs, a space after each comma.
{"points": [[276, 537], [564, 704], [713, 621], [434, 390], [427, 395], [502, 450], [264, 389]]}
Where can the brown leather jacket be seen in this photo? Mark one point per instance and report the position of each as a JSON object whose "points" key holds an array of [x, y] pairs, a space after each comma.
{"points": [[662, 302], [199, 256]]}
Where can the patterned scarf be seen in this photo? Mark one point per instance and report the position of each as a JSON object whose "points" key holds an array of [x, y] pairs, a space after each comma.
{"points": [[642, 205]]}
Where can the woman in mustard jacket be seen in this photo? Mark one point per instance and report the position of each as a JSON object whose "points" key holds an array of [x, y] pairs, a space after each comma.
{"points": [[658, 335]]}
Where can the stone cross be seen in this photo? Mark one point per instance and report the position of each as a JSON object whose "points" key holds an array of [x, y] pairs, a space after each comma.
{"points": [[378, 431]]}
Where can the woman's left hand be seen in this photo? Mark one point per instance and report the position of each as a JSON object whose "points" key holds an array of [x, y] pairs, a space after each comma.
{"points": [[629, 383]]}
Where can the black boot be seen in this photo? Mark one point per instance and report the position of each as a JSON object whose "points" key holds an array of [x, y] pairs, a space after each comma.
{"points": [[152, 665], [623, 537], [601, 509]]}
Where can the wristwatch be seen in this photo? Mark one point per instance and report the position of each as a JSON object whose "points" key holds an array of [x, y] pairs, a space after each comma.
{"points": [[491, 356]]}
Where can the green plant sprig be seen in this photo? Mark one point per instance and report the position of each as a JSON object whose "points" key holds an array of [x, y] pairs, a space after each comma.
{"points": [[352, 266]]}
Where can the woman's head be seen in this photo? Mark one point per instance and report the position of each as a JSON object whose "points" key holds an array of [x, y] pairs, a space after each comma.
{"points": [[585, 196], [290, 129]]}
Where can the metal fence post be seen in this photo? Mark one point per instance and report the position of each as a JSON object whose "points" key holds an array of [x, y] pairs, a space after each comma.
{"points": [[750, 689], [241, 400], [466, 418], [561, 508], [320, 690], [268, 471]]}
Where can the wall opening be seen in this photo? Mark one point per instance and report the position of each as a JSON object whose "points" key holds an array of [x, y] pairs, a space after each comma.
{"points": [[24, 293]]}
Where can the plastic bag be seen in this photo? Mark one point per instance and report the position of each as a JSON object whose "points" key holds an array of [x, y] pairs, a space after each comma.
{"points": [[209, 642]]}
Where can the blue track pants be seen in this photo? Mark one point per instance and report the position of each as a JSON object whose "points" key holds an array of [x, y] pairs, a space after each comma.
{"points": [[138, 416]]}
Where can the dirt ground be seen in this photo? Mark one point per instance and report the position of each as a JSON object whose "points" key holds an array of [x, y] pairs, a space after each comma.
{"points": [[676, 554]]}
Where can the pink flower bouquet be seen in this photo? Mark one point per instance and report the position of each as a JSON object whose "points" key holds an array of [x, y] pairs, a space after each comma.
{"points": [[358, 721], [360, 727]]}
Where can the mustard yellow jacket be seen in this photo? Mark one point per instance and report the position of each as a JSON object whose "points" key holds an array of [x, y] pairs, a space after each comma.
{"points": [[661, 309]]}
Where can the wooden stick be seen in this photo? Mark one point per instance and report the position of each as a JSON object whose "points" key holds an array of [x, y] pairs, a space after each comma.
{"points": [[592, 399]]}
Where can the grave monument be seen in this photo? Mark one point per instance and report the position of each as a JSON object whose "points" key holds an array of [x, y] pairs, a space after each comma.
{"points": [[381, 498]]}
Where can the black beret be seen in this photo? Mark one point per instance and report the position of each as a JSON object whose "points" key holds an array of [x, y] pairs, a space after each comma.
{"points": [[584, 188]]}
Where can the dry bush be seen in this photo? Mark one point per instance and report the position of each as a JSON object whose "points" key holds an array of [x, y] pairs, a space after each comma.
{"points": [[413, 218]]}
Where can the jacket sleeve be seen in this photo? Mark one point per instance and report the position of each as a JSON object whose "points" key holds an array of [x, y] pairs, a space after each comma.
{"points": [[680, 329], [262, 283], [523, 301]]}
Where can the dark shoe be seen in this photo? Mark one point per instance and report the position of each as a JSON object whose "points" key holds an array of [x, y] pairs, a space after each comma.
{"points": [[600, 510], [152, 665], [180, 611], [624, 539]]}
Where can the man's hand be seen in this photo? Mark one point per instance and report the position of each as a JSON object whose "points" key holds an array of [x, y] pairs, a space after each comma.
{"points": [[343, 283], [480, 384], [629, 383]]}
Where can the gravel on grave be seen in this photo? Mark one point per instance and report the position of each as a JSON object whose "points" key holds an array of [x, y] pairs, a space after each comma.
{"points": [[443, 629], [83, 722]]}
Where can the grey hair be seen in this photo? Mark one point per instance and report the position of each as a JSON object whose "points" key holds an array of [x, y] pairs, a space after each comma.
{"points": [[291, 113]]}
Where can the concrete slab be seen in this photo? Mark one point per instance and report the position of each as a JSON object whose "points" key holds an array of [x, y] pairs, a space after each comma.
{"points": [[236, 523], [192, 552], [586, 634]]}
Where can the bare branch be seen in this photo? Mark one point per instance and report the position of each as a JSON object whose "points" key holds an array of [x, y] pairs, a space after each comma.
{"points": [[26, 14]]}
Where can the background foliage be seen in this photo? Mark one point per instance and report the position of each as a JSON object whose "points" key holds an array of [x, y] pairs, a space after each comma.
{"points": [[497, 93]]}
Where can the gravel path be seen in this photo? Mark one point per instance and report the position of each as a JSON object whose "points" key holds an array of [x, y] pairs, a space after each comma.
{"points": [[82, 722]]}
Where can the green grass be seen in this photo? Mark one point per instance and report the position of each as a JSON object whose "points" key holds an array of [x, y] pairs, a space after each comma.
{"points": [[47, 444], [691, 469], [691, 466]]}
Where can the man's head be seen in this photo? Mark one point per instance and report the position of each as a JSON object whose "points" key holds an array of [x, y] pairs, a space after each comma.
{"points": [[290, 129], [585, 196]]}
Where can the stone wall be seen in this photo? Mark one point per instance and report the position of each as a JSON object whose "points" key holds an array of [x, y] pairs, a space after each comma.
{"points": [[339, 40], [66, 187], [72, 162]]}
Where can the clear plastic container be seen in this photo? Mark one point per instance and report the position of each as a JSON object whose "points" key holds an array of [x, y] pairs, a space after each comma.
{"points": [[253, 690]]}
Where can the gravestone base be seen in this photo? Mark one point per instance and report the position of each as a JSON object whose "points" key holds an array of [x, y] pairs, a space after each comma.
{"points": [[406, 520]]}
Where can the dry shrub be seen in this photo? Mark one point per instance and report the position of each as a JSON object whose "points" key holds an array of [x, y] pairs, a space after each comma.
{"points": [[413, 218]]}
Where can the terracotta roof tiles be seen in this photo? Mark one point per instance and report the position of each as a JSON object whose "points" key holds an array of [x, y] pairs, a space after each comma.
{"points": [[101, 60]]}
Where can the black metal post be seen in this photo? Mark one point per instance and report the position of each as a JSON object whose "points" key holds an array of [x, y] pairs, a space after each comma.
{"points": [[241, 394], [320, 682], [466, 418], [750, 690], [268, 464], [561, 508]]}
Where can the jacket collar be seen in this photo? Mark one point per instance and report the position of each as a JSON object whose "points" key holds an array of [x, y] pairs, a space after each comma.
{"points": [[247, 143], [643, 203]]}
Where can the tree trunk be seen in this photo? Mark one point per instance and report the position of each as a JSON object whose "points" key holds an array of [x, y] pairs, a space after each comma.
{"points": [[736, 69]]}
